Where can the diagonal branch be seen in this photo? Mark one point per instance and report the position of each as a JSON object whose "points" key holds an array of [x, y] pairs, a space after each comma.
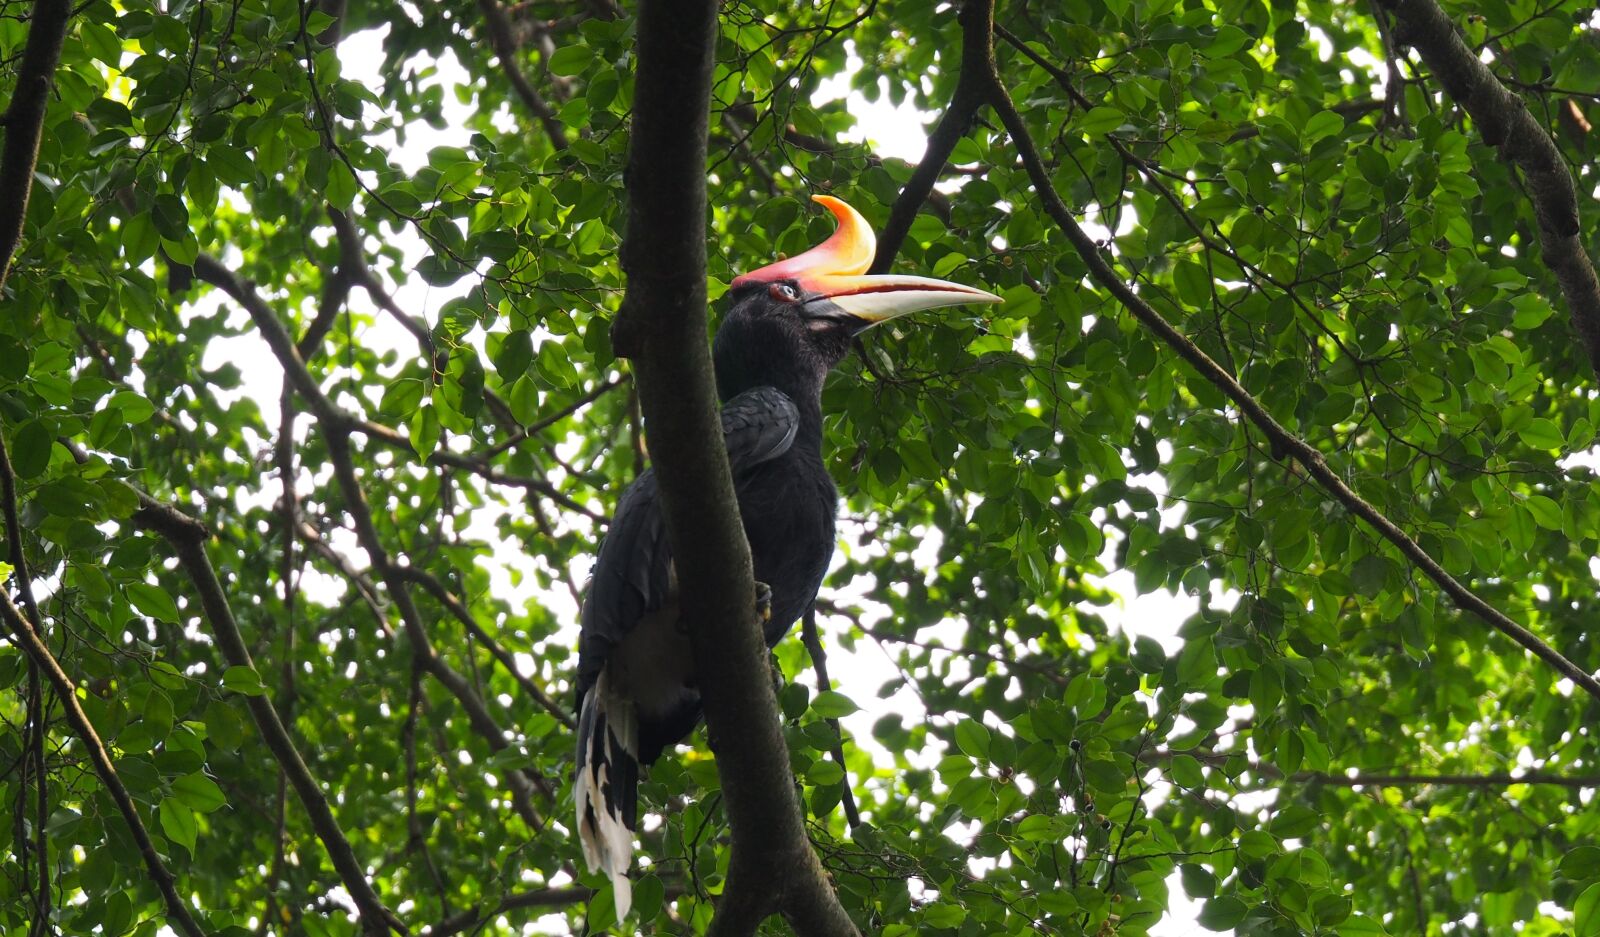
{"points": [[337, 425], [1282, 439], [187, 537], [24, 121], [1504, 122], [33, 645], [953, 125], [456, 607], [505, 49], [33, 755], [662, 327]]}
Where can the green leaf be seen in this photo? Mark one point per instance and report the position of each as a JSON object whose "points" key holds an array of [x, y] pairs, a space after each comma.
{"points": [[831, 705], [1100, 120], [972, 737], [1542, 434], [153, 600], [1222, 913], [1586, 912], [30, 449], [1546, 513], [243, 680], [1198, 881], [1581, 863], [425, 430], [1322, 124], [1193, 283], [171, 217], [178, 823], [570, 60], [342, 187], [823, 772], [199, 792], [649, 895], [944, 914]]}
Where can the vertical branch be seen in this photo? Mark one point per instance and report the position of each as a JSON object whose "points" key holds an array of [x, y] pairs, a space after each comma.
{"points": [[24, 121], [33, 756], [662, 327]]}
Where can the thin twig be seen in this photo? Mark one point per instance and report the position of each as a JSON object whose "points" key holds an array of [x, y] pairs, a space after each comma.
{"points": [[819, 663], [33, 645]]}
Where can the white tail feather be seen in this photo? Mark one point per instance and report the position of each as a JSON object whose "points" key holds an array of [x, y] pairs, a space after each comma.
{"points": [[602, 829]]}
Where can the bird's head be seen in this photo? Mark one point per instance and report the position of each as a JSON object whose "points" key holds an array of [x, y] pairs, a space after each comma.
{"points": [[792, 321]]}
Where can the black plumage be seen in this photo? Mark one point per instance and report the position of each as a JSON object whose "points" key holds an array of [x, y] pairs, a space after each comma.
{"points": [[789, 324]]}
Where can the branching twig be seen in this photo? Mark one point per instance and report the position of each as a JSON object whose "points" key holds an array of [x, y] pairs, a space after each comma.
{"points": [[337, 425], [819, 663], [456, 607], [33, 645], [1282, 439], [187, 537]]}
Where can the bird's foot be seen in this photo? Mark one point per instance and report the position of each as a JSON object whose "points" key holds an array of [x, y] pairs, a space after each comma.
{"points": [[763, 602]]}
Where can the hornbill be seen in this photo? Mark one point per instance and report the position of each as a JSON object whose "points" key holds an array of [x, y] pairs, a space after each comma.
{"points": [[790, 323]]}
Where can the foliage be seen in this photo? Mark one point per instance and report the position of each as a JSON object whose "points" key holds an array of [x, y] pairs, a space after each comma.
{"points": [[1369, 269]]}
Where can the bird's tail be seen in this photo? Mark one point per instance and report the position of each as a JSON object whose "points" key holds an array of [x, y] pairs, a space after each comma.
{"points": [[606, 787]]}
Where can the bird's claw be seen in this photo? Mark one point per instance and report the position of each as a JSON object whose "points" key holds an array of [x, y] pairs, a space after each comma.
{"points": [[763, 602]]}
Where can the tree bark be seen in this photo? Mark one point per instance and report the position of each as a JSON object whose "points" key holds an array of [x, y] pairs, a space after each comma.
{"points": [[662, 327], [24, 121], [1504, 122]]}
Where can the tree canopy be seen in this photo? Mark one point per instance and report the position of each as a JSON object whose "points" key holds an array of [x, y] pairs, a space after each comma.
{"points": [[1301, 324]]}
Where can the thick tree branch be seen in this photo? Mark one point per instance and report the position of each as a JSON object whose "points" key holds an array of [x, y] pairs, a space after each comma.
{"points": [[1504, 122], [662, 327], [1282, 439], [188, 537], [24, 121], [33, 645], [957, 119]]}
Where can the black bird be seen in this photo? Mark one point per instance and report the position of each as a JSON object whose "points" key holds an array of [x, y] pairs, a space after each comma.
{"points": [[791, 322]]}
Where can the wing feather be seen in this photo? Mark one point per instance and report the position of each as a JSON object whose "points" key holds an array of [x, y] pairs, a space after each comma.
{"points": [[633, 573]]}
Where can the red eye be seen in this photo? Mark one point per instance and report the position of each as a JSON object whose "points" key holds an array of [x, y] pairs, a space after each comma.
{"points": [[783, 293]]}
